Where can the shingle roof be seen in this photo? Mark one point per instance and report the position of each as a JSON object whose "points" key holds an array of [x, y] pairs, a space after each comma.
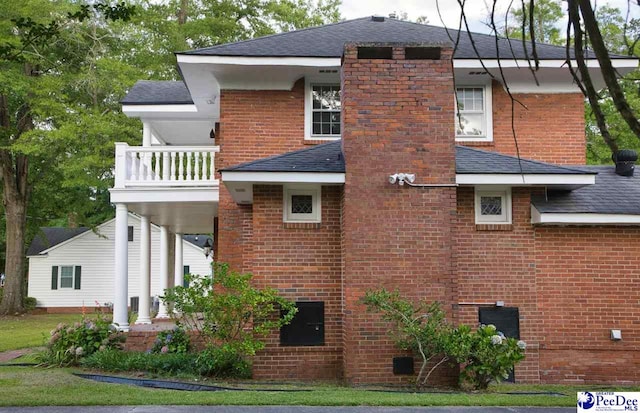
{"points": [[326, 157], [611, 194], [329, 40], [197, 239], [153, 92], [475, 161], [51, 236]]}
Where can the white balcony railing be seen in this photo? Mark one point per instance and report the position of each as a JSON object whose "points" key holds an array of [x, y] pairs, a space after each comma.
{"points": [[172, 166]]}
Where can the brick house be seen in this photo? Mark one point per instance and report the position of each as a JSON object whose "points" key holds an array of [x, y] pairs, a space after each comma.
{"points": [[329, 161]]}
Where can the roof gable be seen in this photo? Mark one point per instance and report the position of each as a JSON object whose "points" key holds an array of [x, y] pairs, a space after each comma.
{"points": [[329, 40]]}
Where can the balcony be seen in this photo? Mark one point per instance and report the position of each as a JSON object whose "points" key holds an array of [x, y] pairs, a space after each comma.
{"points": [[174, 186]]}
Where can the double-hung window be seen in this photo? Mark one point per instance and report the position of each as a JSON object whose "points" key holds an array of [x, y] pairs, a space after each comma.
{"points": [[473, 113], [324, 111], [66, 276]]}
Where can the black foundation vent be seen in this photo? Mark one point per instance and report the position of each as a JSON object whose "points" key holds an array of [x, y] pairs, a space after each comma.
{"points": [[403, 365], [422, 53], [375, 53]]}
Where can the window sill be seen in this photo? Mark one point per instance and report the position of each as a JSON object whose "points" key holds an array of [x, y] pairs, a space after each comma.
{"points": [[316, 141], [475, 143], [494, 227], [301, 225]]}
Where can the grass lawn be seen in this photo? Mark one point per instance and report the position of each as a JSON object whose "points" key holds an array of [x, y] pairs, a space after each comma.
{"points": [[31, 386], [30, 330]]}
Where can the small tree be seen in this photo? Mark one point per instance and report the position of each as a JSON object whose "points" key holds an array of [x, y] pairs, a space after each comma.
{"points": [[228, 312], [421, 328]]}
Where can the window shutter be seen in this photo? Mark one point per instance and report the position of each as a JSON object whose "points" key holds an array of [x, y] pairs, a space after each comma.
{"points": [[76, 283], [54, 278]]}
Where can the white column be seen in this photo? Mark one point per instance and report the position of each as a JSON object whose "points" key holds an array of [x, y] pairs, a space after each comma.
{"points": [[146, 134], [145, 272], [120, 304], [178, 262], [164, 268]]}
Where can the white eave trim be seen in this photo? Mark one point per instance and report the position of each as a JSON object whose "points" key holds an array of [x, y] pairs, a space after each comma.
{"points": [[582, 218], [186, 108], [526, 179], [336, 62], [520, 63], [260, 61], [283, 177]]}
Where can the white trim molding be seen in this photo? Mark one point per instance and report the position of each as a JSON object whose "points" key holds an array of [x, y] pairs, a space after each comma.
{"points": [[160, 108], [505, 197], [520, 63], [315, 191], [487, 96], [564, 180], [284, 177], [540, 218]]}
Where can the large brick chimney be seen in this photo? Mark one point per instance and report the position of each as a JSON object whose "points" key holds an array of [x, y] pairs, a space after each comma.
{"points": [[397, 116]]}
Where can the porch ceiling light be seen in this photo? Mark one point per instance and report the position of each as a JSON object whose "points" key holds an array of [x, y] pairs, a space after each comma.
{"points": [[207, 247]]}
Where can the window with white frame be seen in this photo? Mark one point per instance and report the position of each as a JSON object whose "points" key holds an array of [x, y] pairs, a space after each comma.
{"points": [[493, 206], [66, 276], [302, 204], [325, 109], [473, 113]]}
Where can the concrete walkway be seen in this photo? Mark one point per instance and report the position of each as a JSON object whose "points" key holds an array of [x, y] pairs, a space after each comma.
{"points": [[7, 356], [282, 409]]}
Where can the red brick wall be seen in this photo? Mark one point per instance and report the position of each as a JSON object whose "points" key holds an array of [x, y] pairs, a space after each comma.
{"points": [[253, 125], [588, 282], [549, 129], [302, 261], [500, 265], [396, 118]]}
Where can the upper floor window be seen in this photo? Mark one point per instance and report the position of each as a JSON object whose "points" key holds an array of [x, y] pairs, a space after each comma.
{"points": [[323, 112], [473, 113], [325, 118]]}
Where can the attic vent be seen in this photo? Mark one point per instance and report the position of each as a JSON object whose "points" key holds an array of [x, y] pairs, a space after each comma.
{"points": [[422, 53], [478, 73], [625, 161], [328, 71], [375, 52], [377, 18]]}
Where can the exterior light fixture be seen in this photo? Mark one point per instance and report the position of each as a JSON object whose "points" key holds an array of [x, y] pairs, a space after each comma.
{"points": [[207, 248]]}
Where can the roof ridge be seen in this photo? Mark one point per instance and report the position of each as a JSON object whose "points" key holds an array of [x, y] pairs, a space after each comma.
{"points": [[282, 155], [271, 35], [521, 159]]}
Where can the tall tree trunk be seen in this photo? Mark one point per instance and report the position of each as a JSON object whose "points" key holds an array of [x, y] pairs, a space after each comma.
{"points": [[182, 12], [14, 197]]}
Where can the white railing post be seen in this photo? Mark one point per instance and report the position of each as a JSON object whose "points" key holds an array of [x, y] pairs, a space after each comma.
{"points": [[121, 165], [165, 165]]}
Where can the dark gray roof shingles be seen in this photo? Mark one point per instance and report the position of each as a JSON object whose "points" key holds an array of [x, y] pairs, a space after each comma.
{"points": [[52, 236], [153, 92], [329, 40], [475, 161], [611, 194], [326, 157]]}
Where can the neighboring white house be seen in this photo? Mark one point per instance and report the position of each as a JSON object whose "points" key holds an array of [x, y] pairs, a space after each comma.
{"points": [[74, 267]]}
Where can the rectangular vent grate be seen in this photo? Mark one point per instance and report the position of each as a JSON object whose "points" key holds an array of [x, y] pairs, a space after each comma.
{"points": [[375, 53], [422, 53]]}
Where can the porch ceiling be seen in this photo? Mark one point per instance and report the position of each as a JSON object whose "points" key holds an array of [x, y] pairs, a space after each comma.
{"points": [[180, 217]]}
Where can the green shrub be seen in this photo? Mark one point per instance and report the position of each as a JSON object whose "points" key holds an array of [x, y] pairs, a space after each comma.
{"points": [[161, 364], [30, 303], [172, 341], [218, 362], [486, 355], [70, 343], [226, 310], [224, 362]]}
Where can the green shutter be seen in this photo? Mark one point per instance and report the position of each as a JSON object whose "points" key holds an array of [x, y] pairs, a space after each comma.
{"points": [[54, 278], [76, 284], [185, 271]]}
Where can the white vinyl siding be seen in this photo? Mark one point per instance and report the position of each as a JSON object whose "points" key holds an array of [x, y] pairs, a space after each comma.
{"points": [[96, 255]]}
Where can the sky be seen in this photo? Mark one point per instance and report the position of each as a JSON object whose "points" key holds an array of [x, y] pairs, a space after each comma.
{"points": [[476, 10]]}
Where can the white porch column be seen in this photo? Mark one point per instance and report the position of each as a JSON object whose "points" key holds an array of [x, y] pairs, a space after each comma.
{"points": [[120, 304], [146, 134], [164, 268], [145, 272], [178, 262]]}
